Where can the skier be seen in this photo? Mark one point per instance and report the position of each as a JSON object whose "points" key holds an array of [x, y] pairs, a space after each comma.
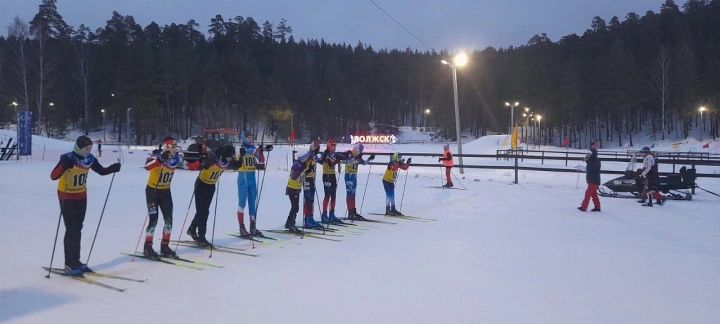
{"points": [[592, 177], [353, 159], [294, 186], [650, 179], [330, 159], [447, 161], [247, 187], [389, 178], [213, 165], [72, 172], [162, 164], [309, 186], [99, 143]]}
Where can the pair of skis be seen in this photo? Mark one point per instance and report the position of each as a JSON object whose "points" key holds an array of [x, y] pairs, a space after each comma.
{"points": [[86, 278]]}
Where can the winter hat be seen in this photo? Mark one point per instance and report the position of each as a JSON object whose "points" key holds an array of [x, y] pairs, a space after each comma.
{"points": [[645, 150], [80, 143], [168, 142], [446, 147], [395, 157]]}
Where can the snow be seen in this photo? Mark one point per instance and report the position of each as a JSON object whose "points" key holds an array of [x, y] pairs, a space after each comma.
{"points": [[498, 253]]}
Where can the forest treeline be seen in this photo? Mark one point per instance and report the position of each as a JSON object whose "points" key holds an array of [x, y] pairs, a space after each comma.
{"points": [[622, 78]]}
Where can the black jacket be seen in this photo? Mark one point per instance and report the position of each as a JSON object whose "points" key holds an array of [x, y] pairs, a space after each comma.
{"points": [[593, 168]]}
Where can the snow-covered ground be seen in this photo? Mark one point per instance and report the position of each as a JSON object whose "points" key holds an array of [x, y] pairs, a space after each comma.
{"points": [[497, 253]]}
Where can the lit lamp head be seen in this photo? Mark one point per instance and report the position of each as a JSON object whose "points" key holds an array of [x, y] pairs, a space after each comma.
{"points": [[427, 111], [460, 60]]}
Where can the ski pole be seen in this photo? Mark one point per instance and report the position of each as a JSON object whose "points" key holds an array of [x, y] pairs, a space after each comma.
{"points": [[262, 184], [57, 231], [362, 202], [405, 184], [458, 179], [442, 184], [182, 229], [101, 217], [317, 197], [217, 197], [147, 215]]}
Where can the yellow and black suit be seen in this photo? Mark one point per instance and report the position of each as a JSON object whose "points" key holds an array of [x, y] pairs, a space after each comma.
{"points": [[210, 172], [72, 172]]}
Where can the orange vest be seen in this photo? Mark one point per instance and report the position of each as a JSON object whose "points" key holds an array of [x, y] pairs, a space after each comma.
{"points": [[449, 161]]}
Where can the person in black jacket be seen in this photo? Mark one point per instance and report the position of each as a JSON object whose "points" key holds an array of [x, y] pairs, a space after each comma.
{"points": [[592, 176], [72, 172]]}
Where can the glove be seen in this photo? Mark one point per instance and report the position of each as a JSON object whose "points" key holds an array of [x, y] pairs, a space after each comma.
{"points": [[115, 167], [268, 147], [409, 160], [349, 153], [439, 159], [164, 156], [372, 157], [316, 151], [242, 151]]}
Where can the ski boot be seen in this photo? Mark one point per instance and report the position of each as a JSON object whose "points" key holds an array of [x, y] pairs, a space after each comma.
{"points": [[596, 209], [395, 212], [290, 225], [581, 209], [73, 272], [334, 220], [243, 231], [166, 252], [253, 229], [324, 218], [310, 223], [193, 233], [202, 241], [84, 268], [353, 215], [149, 252]]}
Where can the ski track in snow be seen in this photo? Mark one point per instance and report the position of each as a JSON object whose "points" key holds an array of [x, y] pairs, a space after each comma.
{"points": [[498, 253]]}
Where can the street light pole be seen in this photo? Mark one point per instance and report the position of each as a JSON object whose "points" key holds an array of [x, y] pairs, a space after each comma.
{"points": [[512, 117], [103, 123], [127, 132], [458, 61], [457, 117]]}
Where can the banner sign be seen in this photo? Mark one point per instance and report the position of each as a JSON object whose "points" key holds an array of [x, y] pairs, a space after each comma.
{"points": [[373, 139], [24, 133]]}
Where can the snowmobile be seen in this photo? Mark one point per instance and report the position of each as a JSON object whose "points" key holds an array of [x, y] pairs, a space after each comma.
{"points": [[673, 185]]}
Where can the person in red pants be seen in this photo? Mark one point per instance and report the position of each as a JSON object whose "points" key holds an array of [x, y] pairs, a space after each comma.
{"points": [[592, 176], [447, 161]]}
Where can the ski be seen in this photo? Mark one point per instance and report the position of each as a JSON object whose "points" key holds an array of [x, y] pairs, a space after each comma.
{"points": [[312, 235], [320, 232], [189, 266], [372, 221], [439, 187], [202, 263], [216, 248], [422, 219], [215, 245], [245, 237], [103, 275], [87, 280]]}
